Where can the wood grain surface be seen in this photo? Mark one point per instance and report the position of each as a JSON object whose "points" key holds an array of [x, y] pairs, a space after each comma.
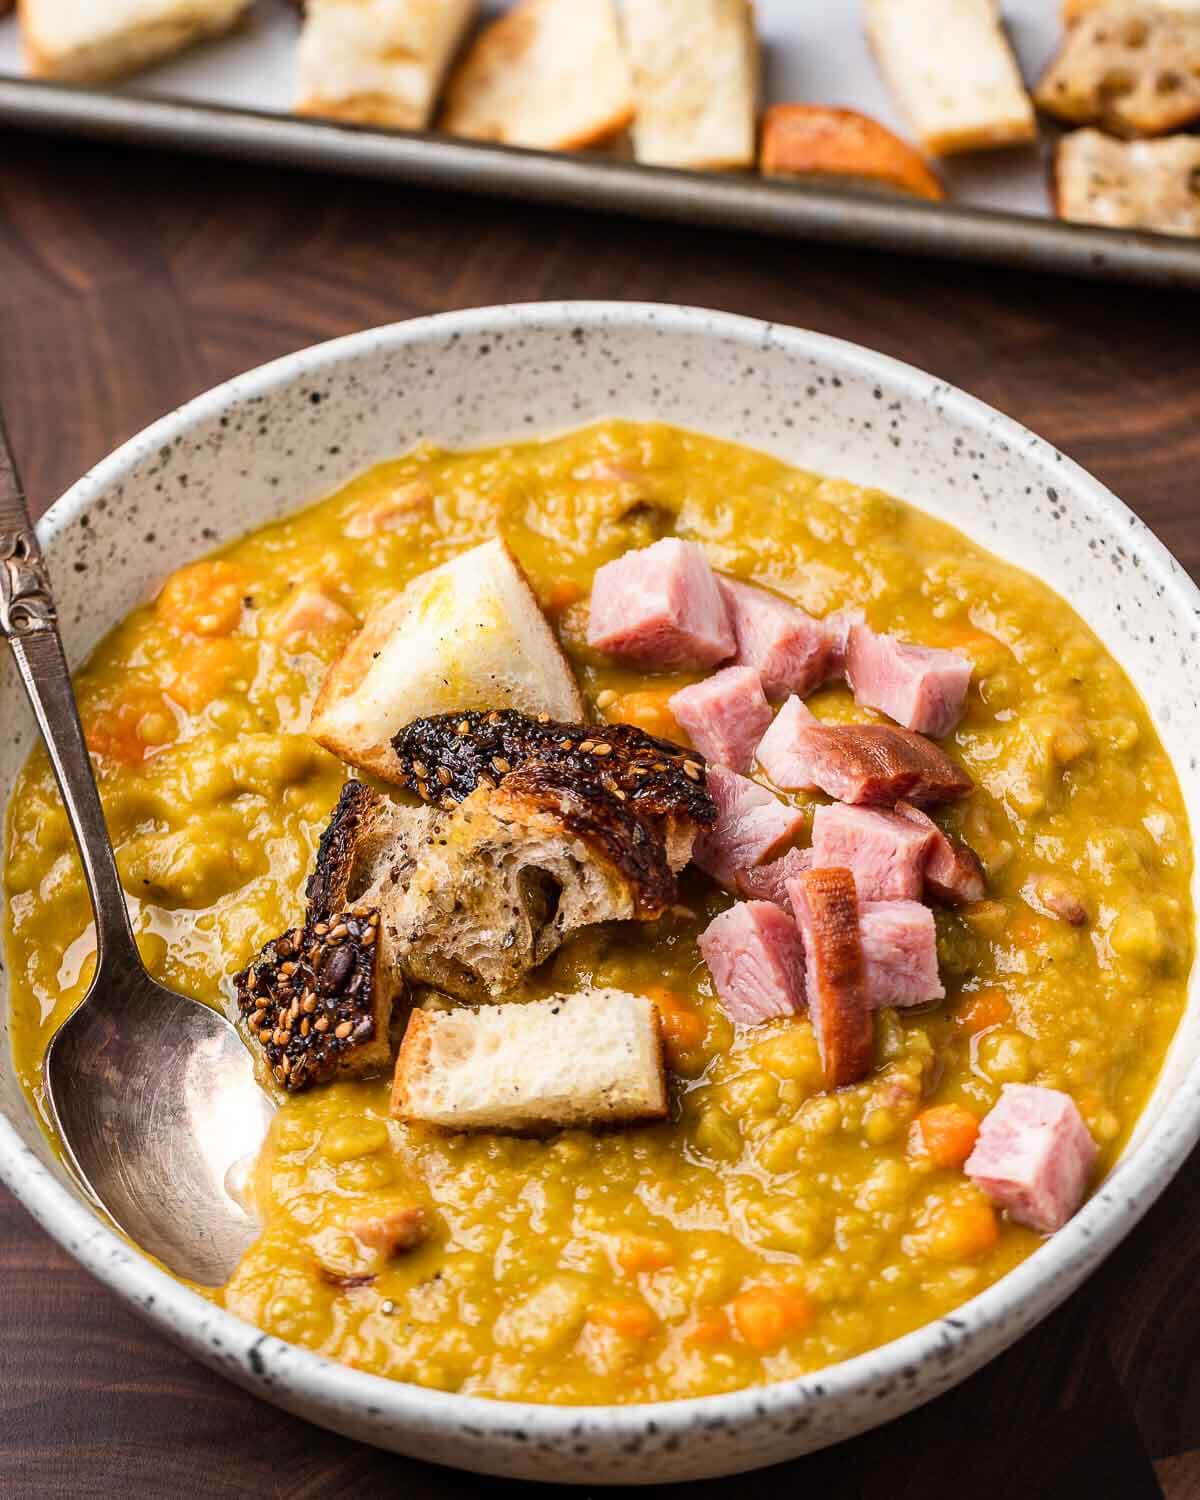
{"points": [[130, 282]]}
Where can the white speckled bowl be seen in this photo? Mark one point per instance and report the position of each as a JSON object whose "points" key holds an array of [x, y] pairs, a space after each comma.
{"points": [[286, 434]]}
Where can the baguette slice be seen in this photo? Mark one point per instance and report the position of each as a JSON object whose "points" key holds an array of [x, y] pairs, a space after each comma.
{"points": [[468, 634], [594, 1058], [1129, 184], [812, 140], [696, 72], [1128, 68], [378, 62], [87, 43], [550, 74], [952, 72]]}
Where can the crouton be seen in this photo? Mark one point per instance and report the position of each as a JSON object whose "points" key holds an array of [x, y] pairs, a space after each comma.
{"points": [[90, 43], [696, 80], [593, 1058], [378, 62], [468, 634], [549, 74], [812, 140], [952, 72], [1129, 68], [1128, 184]]}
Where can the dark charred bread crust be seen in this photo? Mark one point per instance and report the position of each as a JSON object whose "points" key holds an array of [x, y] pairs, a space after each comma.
{"points": [[444, 758], [316, 1001], [633, 846], [329, 884]]}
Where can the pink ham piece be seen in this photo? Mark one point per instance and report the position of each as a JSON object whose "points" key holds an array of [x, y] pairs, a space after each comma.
{"points": [[769, 882], [757, 965], [826, 908], [792, 652], [1034, 1156], [953, 873], [872, 763], [660, 608], [886, 854], [899, 943], [919, 686], [752, 826], [725, 716]]}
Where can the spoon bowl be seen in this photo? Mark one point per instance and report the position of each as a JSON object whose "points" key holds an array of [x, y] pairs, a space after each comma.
{"points": [[153, 1094]]}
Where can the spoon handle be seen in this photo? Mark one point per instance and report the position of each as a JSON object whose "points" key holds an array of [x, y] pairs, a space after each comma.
{"points": [[29, 622]]}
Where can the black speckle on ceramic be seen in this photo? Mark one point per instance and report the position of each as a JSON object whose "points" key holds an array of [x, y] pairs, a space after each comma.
{"points": [[279, 437]]}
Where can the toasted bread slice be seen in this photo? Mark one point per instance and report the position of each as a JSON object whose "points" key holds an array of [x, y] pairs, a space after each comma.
{"points": [[696, 74], [469, 634], [594, 1058], [952, 72], [1128, 68], [813, 140], [1129, 184], [1075, 10], [378, 62], [550, 74], [84, 43]]}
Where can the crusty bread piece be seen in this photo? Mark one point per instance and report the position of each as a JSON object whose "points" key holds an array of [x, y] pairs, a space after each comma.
{"points": [[1074, 10], [1129, 184], [696, 74], [549, 74], [468, 634], [378, 62], [1128, 68], [813, 140], [594, 1058], [952, 72], [85, 42]]}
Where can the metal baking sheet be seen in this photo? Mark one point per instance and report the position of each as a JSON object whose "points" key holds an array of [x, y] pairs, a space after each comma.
{"points": [[233, 98]]}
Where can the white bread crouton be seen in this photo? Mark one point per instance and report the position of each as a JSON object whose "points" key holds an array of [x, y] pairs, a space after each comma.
{"points": [[594, 1058], [84, 42], [696, 74], [1129, 184], [550, 74], [468, 634], [1129, 68], [952, 72], [378, 62], [827, 144]]}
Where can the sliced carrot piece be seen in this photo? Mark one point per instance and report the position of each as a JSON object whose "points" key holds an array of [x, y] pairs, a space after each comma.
{"points": [[205, 598], [644, 1252], [963, 1229], [946, 1134], [632, 1320], [767, 1316], [204, 672], [710, 1327], [133, 727], [985, 1008], [683, 1028], [647, 709], [561, 594]]}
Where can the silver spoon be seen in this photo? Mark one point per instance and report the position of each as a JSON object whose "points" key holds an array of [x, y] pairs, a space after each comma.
{"points": [[153, 1094]]}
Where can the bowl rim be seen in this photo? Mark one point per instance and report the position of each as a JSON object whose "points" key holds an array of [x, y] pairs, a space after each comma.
{"points": [[995, 1317]]}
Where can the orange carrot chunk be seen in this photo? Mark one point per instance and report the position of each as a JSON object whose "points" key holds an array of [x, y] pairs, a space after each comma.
{"points": [[205, 598], [632, 1320], [983, 1009], [682, 1028], [963, 1229], [767, 1316], [945, 1134], [644, 1252]]}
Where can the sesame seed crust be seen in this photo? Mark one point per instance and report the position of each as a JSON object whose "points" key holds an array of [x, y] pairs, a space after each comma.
{"points": [[312, 1001]]}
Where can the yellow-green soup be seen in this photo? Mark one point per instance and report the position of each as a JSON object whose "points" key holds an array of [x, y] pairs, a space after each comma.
{"points": [[771, 1227]]}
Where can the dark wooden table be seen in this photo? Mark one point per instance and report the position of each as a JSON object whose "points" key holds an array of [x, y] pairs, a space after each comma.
{"points": [[128, 283]]}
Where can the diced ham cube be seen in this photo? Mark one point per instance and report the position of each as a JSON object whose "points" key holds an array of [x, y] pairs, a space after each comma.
{"points": [[919, 686], [752, 826], [725, 716], [899, 943], [307, 612], [886, 854], [661, 608], [872, 763], [769, 882], [792, 652], [1034, 1156], [404, 507], [753, 953], [826, 907], [953, 873], [398, 1229]]}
